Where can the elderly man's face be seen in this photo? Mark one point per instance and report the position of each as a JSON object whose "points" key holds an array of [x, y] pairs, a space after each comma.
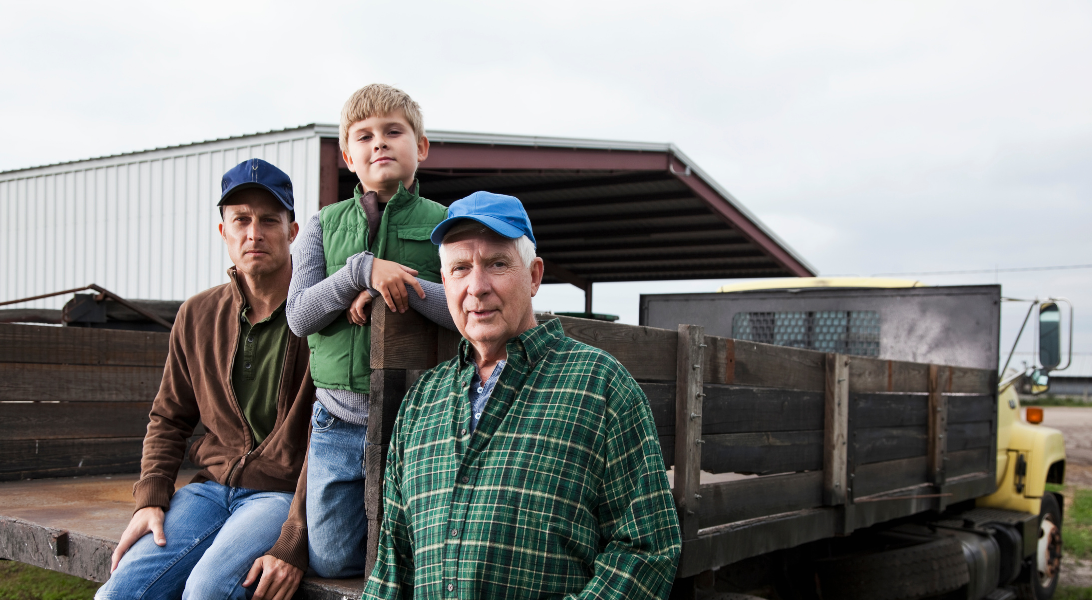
{"points": [[488, 288]]}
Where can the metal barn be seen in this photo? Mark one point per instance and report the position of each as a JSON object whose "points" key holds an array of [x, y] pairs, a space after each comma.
{"points": [[143, 224]]}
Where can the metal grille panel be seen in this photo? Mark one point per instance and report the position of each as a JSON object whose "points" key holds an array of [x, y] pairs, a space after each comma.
{"points": [[854, 332]]}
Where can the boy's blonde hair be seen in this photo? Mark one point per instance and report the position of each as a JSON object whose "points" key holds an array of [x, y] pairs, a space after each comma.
{"points": [[379, 99]]}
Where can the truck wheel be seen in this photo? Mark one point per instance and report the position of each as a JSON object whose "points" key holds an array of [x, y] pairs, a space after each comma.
{"points": [[1040, 576], [917, 571]]}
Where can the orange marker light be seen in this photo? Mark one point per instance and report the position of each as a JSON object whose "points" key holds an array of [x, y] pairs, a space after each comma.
{"points": [[1034, 415]]}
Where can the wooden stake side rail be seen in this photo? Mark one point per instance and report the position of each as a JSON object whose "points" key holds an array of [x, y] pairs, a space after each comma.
{"points": [[835, 439], [825, 444]]}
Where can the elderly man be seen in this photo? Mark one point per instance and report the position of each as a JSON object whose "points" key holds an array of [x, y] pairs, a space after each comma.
{"points": [[528, 466], [232, 364]]}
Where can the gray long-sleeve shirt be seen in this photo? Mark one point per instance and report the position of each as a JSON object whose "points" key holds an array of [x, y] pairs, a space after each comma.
{"points": [[315, 300]]}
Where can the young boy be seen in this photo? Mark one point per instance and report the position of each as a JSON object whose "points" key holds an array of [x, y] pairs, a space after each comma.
{"points": [[374, 243]]}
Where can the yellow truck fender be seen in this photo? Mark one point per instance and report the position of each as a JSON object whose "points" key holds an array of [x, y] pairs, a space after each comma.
{"points": [[1041, 447]]}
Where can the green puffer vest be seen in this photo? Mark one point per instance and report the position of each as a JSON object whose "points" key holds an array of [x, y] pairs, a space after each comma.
{"points": [[341, 353]]}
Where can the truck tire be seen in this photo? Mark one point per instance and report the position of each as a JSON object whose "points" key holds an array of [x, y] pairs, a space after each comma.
{"points": [[1041, 573], [917, 571]]}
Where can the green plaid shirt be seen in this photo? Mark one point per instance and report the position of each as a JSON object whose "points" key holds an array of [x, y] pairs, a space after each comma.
{"points": [[560, 490]]}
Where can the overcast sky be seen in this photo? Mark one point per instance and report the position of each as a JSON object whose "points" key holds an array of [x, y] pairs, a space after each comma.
{"points": [[873, 137]]}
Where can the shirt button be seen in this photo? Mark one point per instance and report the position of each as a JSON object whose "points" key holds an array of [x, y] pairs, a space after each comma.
{"points": [[462, 432], [454, 533], [246, 366], [477, 415], [250, 339], [481, 389], [466, 479], [451, 587]]}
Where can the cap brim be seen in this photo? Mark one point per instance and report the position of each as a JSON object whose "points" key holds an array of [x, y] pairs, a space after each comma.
{"points": [[252, 184], [498, 226]]}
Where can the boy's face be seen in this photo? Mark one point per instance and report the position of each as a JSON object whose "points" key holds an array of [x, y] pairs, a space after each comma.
{"points": [[383, 150]]}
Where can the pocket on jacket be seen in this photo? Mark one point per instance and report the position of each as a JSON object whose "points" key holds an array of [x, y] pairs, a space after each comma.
{"points": [[417, 250]]}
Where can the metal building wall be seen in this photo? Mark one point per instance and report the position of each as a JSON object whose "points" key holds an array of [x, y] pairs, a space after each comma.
{"points": [[142, 225]]}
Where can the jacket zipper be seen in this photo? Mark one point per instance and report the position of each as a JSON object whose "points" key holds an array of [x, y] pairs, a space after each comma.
{"points": [[238, 409]]}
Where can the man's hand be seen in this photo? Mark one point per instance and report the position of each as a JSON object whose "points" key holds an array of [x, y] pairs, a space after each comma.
{"points": [[279, 579], [390, 279], [360, 310], [149, 518]]}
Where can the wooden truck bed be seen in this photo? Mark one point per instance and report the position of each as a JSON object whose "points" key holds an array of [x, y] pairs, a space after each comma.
{"points": [[817, 445]]}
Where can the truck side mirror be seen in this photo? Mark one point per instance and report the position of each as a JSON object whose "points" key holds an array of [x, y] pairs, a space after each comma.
{"points": [[1050, 335]]}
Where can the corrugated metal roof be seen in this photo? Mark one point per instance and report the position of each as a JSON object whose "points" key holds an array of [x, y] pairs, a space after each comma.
{"points": [[603, 210], [322, 130]]}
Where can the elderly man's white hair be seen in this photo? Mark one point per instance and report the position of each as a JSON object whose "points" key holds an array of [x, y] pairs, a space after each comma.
{"points": [[523, 245]]}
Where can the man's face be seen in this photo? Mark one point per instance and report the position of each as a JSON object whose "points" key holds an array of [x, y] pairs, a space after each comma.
{"points": [[257, 232], [383, 150], [488, 289]]}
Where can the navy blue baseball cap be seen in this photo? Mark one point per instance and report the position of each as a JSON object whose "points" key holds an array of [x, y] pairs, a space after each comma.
{"points": [[503, 214], [260, 174]]}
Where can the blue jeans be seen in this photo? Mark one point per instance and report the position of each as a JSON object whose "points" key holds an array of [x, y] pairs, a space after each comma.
{"points": [[214, 534], [337, 525]]}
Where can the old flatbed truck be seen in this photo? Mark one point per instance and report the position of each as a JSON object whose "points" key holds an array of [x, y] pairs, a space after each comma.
{"points": [[806, 474]]}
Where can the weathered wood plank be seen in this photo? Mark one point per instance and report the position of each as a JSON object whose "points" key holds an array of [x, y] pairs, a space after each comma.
{"points": [[447, 344], [388, 389], [739, 409], [877, 375], [967, 436], [880, 477], [82, 346], [375, 461], [732, 501], [776, 366], [974, 484], [836, 430], [883, 409], [75, 457], [964, 462], [49, 420], [688, 408], [26, 459], [970, 381], [86, 557], [374, 533], [715, 365], [977, 407], [647, 353], [763, 453], [881, 444], [78, 383], [726, 544], [402, 340]]}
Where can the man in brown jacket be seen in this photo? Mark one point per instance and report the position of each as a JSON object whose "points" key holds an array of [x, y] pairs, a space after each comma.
{"points": [[234, 366]]}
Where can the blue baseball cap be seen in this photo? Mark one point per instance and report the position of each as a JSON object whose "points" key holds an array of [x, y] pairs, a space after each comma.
{"points": [[503, 214], [260, 174]]}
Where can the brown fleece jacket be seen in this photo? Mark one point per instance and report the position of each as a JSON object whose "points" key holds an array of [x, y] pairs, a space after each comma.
{"points": [[197, 387]]}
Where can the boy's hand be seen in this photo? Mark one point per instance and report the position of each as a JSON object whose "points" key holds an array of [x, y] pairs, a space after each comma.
{"points": [[360, 310], [279, 579], [390, 279], [145, 520]]}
